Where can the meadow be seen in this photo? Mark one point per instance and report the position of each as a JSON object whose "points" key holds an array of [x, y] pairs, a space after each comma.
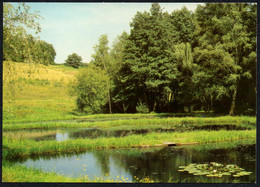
{"points": [[41, 101]]}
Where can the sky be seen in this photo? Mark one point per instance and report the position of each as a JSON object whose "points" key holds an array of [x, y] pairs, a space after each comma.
{"points": [[76, 27]]}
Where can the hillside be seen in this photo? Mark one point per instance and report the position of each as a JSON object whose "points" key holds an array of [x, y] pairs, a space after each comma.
{"points": [[40, 92]]}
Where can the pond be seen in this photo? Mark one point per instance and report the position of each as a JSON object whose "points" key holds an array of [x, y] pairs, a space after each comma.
{"points": [[159, 164], [92, 133]]}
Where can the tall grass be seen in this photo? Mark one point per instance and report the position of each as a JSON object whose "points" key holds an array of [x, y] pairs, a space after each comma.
{"points": [[14, 148], [248, 122], [40, 95]]}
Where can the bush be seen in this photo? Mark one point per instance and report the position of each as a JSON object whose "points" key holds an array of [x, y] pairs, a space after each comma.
{"points": [[90, 88], [142, 108], [74, 60]]}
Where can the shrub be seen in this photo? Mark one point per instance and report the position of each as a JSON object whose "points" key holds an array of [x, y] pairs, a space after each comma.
{"points": [[142, 108], [74, 60], [90, 88]]}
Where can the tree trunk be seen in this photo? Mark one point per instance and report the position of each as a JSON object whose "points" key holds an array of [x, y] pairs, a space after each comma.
{"points": [[124, 108], [233, 103], [154, 106], [109, 100], [211, 104], [146, 101]]}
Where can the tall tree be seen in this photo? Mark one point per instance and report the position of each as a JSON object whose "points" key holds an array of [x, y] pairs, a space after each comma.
{"points": [[117, 56], [101, 58], [184, 58], [226, 26], [15, 23], [16, 41], [150, 71], [182, 24]]}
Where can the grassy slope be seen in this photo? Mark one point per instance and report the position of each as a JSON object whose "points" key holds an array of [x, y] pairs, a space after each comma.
{"points": [[44, 94]]}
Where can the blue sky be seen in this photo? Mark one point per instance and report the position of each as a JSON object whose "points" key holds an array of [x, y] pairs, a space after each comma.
{"points": [[76, 27]]}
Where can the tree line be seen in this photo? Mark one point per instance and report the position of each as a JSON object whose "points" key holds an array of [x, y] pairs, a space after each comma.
{"points": [[182, 61]]}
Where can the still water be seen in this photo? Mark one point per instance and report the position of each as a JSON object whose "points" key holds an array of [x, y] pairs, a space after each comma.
{"points": [[92, 133], [160, 164]]}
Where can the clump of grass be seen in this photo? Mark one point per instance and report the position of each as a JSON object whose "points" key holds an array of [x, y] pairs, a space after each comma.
{"points": [[248, 122], [16, 149], [18, 173]]}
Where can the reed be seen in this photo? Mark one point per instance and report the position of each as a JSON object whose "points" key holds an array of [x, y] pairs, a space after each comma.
{"points": [[14, 149], [239, 121]]}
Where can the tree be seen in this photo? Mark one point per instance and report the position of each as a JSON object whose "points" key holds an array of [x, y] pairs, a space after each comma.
{"points": [[149, 73], [15, 23], [16, 41], [90, 87], [117, 57], [74, 60], [117, 52], [231, 29], [184, 58], [101, 58], [182, 23], [44, 53]]}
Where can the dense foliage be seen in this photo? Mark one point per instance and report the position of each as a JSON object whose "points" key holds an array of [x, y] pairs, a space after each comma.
{"points": [[90, 88], [186, 61]]}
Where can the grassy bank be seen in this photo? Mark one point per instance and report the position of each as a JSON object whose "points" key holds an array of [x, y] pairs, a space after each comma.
{"points": [[15, 148], [240, 121], [18, 173]]}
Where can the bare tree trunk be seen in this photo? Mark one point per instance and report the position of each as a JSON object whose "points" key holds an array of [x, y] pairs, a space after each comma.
{"points": [[211, 104], [233, 103], [154, 106], [109, 99], [109, 102]]}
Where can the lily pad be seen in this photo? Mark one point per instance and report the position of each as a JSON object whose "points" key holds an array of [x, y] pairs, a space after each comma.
{"points": [[214, 169]]}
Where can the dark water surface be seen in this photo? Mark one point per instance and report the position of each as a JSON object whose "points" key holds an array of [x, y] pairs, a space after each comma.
{"points": [[160, 164], [92, 133]]}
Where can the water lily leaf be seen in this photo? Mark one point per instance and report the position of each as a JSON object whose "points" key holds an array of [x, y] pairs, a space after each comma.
{"points": [[226, 173], [214, 169]]}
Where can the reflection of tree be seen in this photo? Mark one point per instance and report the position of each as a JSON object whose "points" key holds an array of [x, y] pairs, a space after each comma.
{"points": [[102, 158], [89, 133], [156, 164]]}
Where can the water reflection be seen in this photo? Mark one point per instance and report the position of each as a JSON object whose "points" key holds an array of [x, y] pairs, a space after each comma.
{"points": [[157, 163], [92, 133]]}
